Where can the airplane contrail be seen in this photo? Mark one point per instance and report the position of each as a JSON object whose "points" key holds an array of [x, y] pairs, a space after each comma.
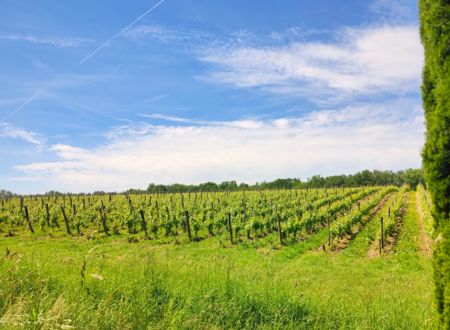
{"points": [[87, 57], [119, 33]]}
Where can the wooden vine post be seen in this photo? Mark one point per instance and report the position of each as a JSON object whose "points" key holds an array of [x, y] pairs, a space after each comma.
{"points": [[103, 217], [47, 212], [230, 228], [66, 220], [27, 217], [130, 205], [168, 227], [188, 225], [329, 231], [144, 223], [280, 234], [381, 234]]}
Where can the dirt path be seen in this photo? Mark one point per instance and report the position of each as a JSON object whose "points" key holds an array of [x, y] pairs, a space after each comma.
{"points": [[374, 249], [425, 246]]}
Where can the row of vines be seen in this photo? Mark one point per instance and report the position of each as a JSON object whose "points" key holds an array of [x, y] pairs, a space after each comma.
{"points": [[291, 215]]}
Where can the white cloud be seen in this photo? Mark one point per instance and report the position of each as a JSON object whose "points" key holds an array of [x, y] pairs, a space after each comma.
{"points": [[359, 62], [325, 142], [10, 131], [62, 42]]}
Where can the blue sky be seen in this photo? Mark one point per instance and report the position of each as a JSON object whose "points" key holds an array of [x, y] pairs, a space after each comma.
{"points": [[200, 91]]}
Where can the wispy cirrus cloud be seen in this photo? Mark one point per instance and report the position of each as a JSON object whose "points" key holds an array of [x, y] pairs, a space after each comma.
{"points": [[48, 89], [180, 120], [57, 41], [360, 61], [353, 62], [398, 11], [169, 118], [384, 136], [166, 35], [8, 130]]}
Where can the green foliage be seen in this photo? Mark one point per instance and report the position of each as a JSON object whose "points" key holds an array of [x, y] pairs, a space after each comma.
{"points": [[412, 177], [254, 214], [435, 34]]}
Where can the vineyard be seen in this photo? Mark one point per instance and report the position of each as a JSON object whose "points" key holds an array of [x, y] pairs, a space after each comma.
{"points": [[238, 217], [290, 258]]}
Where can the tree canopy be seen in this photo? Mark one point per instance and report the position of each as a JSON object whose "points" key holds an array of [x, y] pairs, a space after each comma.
{"points": [[435, 35]]}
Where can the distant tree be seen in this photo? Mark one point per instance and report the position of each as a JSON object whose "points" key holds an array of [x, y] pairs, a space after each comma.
{"points": [[228, 186], [157, 188], [383, 178], [53, 193], [208, 186], [364, 178], [243, 186], [435, 35], [316, 181], [282, 184], [412, 177], [135, 191], [178, 187], [5, 194], [336, 181]]}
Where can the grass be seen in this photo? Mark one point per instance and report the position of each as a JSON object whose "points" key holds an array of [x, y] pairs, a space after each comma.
{"points": [[109, 283]]}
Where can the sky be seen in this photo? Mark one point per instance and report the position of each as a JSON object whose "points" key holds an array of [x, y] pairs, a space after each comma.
{"points": [[109, 97]]}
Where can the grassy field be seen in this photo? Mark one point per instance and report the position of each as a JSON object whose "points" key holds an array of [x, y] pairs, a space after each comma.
{"points": [[110, 283]]}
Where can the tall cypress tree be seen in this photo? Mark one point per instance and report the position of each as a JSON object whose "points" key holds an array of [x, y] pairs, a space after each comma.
{"points": [[435, 35]]}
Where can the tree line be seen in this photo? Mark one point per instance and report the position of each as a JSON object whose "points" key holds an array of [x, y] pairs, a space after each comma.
{"points": [[364, 178]]}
